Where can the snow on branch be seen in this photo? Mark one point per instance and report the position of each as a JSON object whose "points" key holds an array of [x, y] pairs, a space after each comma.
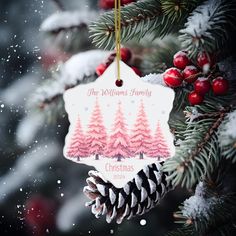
{"points": [[29, 127], [154, 79], [71, 212], [208, 210], [68, 30], [207, 26], [198, 205], [67, 20], [82, 65], [17, 93], [26, 167], [196, 144], [80, 68], [227, 131]]}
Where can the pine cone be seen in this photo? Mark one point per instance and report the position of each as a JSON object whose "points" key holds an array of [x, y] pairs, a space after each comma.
{"points": [[137, 197]]}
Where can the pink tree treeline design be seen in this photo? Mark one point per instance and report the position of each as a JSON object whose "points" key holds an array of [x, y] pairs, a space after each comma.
{"points": [[141, 139], [119, 144], [77, 146], [96, 135], [159, 146]]}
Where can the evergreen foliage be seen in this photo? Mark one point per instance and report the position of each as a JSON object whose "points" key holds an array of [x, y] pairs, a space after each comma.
{"points": [[141, 18]]}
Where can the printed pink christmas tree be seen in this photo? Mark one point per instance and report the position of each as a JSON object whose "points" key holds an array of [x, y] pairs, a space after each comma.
{"points": [[96, 135], [159, 145], [77, 146], [118, 144], [141, 139]]}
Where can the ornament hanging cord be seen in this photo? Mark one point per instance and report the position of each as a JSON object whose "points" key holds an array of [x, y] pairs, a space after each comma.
{"points": [[118, 35]]}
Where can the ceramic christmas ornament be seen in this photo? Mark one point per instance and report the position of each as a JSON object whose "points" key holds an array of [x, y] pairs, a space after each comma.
{"points": [[119, 130]]}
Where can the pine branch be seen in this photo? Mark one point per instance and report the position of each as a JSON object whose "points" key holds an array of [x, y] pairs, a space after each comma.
{"points": [[209, 211], [198, 150], [174, 9], [210, 27], [50, 93], [187, 230], [159, 55], [180, 101], [141, 18]]}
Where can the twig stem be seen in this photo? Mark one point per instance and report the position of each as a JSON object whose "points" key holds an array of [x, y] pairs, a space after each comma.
{"points": [[59, 5]]}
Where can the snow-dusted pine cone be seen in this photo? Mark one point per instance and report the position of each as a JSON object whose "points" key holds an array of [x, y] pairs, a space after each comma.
{"points": [[137, 197]]}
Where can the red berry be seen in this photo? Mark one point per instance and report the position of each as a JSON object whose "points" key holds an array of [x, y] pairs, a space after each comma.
{"points": [[125, 54], [39, 213], [190, 73], [137, 71], [181, 60], [205, 61], [101, 69], [106, 4], [109, 4], [119, 83], [124, 2], [202, 86], [173, 77], [195, 98], [220, 86]]}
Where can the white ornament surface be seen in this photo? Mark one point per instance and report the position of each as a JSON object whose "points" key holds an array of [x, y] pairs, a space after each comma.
{"points": [[134, 118]]}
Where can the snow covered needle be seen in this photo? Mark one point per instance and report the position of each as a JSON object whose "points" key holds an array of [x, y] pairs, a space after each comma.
{"points": [[198, 205], [205, 24], [209, 205]]}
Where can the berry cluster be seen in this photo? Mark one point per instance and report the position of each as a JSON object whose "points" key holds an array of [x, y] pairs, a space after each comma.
{"points": [[199, 75], [109, 4], [126, 56]]}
